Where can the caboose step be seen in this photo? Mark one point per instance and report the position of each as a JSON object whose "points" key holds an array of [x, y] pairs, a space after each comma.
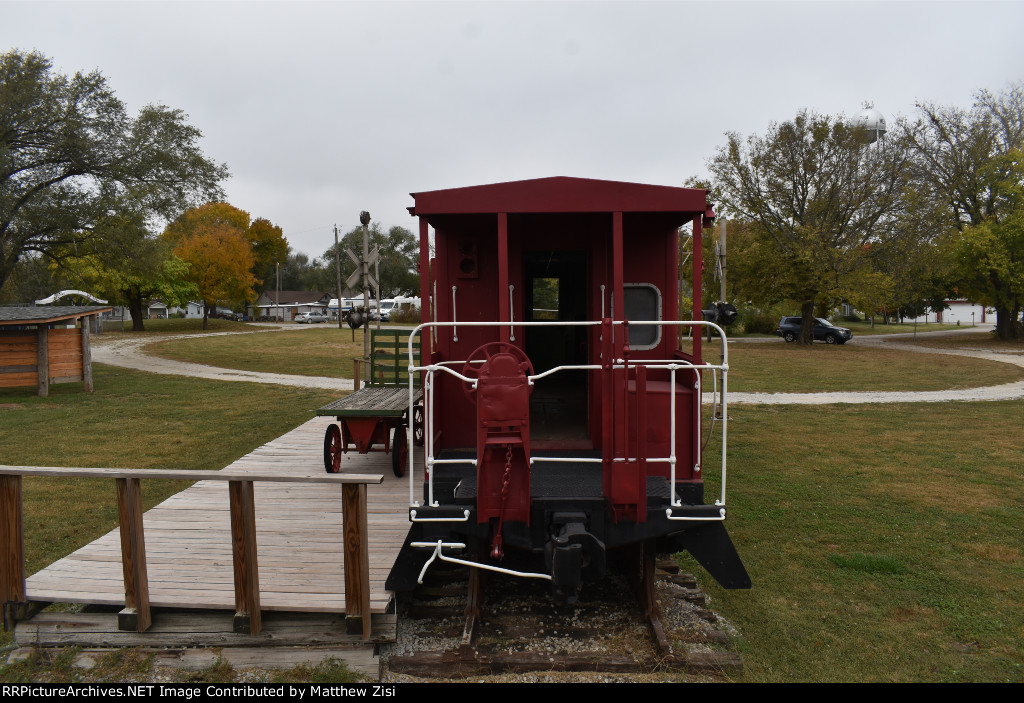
{"points": [[504, 439]]}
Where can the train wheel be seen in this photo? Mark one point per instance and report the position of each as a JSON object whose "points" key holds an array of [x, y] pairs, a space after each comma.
{"points": [[332, 449], [417, 426], [399, 452]]}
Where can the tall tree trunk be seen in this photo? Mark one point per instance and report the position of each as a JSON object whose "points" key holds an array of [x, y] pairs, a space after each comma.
{"points": [[806, 323], [206, 314], [1007, 327], [135, 310]]}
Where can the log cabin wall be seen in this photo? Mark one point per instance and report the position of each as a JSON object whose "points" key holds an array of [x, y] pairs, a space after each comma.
{"points": [[19, 352], [33, 351], [20, 356]]}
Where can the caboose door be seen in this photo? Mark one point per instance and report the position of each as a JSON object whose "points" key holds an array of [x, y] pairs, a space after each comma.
{"points": [[555, 290]]}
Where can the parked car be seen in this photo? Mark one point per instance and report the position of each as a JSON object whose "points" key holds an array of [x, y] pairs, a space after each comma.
{"points": [[310, 318], [823, 330]]}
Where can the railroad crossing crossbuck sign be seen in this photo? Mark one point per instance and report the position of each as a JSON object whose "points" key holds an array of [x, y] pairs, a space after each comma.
{"points": [[357, 275]]}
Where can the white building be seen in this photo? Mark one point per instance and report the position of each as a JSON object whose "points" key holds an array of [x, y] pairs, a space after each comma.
{"points": [[962, 312]]}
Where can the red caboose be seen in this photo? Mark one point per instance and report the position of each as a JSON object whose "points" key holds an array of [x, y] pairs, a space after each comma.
{"points": [[561, 416]]}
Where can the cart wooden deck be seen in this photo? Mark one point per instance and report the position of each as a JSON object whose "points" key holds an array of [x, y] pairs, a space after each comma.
{"points": [[372, 401]]}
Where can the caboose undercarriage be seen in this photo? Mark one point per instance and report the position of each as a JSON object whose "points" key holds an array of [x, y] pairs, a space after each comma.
{"points": [[570, 526]]}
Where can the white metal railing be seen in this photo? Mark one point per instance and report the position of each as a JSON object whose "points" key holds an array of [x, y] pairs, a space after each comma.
{"points": [[672, 365]]}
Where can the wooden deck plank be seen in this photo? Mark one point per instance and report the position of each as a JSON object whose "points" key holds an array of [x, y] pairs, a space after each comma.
{"points": [[299, 535]]}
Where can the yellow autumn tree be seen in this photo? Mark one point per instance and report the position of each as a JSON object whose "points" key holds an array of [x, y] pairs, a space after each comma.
{"points": [[214, 240]]}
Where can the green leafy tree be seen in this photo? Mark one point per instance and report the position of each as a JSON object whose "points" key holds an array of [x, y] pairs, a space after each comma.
{"points": [[71, 156], [298, 272], [814, 193], [917, 262], [969, 163], [399, 256], [990, 264], [130, 267]]}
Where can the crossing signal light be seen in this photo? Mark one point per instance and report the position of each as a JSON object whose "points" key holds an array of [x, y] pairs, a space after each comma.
{"points": [[726, 313], [722, 314]]}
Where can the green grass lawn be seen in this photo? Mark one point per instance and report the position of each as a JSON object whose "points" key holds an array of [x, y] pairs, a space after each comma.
{"points": [[884, 542], [321, 351], [984, 342]]}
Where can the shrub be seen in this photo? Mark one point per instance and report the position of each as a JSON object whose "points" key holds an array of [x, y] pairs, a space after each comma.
{"points": [[406, 314], [758, 322]]}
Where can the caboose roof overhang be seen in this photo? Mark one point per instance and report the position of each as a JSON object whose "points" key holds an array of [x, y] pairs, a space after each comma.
{"points": [[561, 194]]}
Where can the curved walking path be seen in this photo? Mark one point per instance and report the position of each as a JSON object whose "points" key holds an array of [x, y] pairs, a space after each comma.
{"points": [[128, 353]]}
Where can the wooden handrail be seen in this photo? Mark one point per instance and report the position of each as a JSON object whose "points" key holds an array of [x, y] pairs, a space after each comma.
{"points": [[136, 615], [187, 475]]}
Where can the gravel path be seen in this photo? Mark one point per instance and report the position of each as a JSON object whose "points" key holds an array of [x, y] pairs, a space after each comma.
{"points": [[129, 353]]}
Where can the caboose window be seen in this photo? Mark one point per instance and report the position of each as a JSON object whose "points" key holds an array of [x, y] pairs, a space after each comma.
{"points": [[643, 302], [545, 298]]}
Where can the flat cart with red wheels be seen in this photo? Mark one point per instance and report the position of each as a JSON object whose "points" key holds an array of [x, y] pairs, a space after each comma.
{"points": [[375, 417]]}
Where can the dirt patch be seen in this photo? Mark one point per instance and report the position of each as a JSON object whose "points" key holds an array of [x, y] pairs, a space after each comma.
{"points": [[997, 552]]}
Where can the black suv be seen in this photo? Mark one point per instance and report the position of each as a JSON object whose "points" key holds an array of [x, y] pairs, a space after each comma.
{"points": [[789, 329]]}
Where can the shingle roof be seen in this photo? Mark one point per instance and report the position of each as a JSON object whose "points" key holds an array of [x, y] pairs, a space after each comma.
{"points": [[35, 314]]}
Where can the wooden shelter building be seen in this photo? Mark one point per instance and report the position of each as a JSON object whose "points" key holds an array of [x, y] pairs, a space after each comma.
{"points": [[40, 345]]}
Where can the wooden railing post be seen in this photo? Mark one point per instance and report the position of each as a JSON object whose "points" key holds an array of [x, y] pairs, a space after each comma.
{"points": [[356, 559], [86, 354], [136, 615], [12, 552], [356, 376], [243, 547], [43, 359]]}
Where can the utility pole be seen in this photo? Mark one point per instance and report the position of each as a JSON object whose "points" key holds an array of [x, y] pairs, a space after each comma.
{"points": [[364, 218], [337, 271], [376, 275], [721, 260], [363, 272]]}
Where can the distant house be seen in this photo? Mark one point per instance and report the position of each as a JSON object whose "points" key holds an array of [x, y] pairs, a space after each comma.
{"points": [[192, 309], [157, 310], [962, 312], [289, 303]]}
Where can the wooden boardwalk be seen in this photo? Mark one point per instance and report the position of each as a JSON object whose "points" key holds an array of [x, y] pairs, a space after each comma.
{"points": [[298, 534]]}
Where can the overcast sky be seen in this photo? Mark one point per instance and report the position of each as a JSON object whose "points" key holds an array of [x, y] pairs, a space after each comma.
{"points": [[323, 109]]}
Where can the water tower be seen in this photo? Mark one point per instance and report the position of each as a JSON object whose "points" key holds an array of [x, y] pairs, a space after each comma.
{"points": [[873, 123]]}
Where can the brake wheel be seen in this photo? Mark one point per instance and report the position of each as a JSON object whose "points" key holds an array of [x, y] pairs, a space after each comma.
{"points": [[484, 353]]}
